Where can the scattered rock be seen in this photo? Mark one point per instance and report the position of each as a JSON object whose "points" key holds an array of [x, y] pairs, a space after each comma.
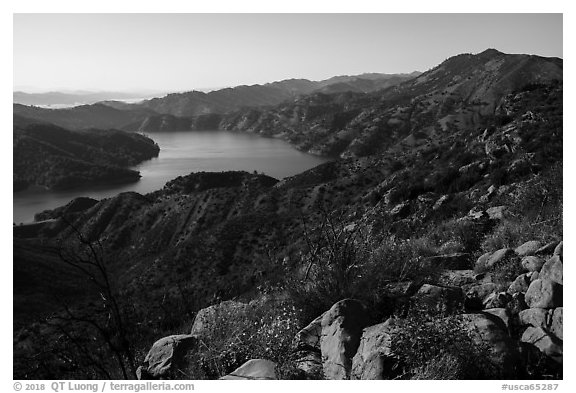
{"points": [[167, 355], [532, 263], [341, 332], [528, 248], [557, 322], [544, 293], [255, 369], [552, 270], [544, 342], [434, 299]]}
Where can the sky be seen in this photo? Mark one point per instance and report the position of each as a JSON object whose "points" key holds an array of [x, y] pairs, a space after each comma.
{"points": [[178, 52]]}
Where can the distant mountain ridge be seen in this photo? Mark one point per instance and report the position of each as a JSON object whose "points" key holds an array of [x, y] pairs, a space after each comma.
{"points": [[54, 98], [196, 103], [184, 106]]}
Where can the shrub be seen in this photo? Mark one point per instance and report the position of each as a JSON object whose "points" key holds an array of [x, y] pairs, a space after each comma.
{"points": [[264, 330], [362, 275], [505, 271], [439, 348], [467, 234]]}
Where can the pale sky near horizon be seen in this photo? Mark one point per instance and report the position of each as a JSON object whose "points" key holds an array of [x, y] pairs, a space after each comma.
{"points": [[176, 52]]}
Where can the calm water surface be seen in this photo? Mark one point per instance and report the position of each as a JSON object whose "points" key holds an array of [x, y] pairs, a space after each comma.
{"points": [[181, 153]]}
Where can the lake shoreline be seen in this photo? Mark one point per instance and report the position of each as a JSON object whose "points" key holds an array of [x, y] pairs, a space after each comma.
{"points": [[181, 153]]}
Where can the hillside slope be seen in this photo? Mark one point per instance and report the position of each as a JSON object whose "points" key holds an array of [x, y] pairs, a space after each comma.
{"points": [[462, 92], [56, 158], [427, 211]]}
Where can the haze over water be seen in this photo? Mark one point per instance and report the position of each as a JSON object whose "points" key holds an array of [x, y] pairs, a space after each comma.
{"points": [[181, 153]]}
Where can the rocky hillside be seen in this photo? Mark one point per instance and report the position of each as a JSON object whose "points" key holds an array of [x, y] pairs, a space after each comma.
{"points": [[427, 242], [463, 92], [56, 158]]}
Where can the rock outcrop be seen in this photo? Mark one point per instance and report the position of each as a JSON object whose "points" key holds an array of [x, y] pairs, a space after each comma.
{"points": [[255, 369], [208, 318], [166, 358], [374, 358], [306, 348], [342, 327]]}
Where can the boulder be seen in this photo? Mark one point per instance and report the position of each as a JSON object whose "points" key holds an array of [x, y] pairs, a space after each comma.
{"points": [[520, 284], [502, 314], [255, 369], [544, 293], [441, 201], [552, 270], [433, 299], [306, 348], [545, 343], [477, 214], [533, 276], [456, 278], [547, 249], [167, 356], [374, 358], [536, 317], [498, 256], [480, 265], [532, 263], [309, 337], [457, 261], [342, 327], [528, 248], [484, 331], [497, 300], [399, 289], [516, 304], [497, 212], [477, 295], [209, 317], [557, 322], [402, 210], [558, 249]]}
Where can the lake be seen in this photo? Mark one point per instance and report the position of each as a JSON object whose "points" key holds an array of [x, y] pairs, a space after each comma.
{"points": [[181, 153]]}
